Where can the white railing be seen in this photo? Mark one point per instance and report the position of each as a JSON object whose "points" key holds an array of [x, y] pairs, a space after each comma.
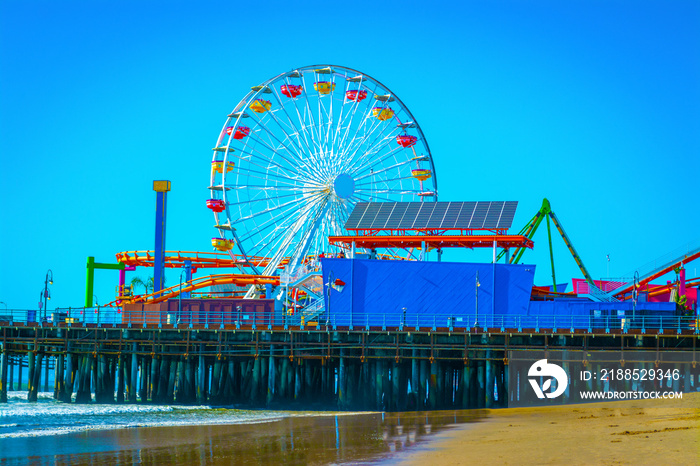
{"points": [[291, 275]]}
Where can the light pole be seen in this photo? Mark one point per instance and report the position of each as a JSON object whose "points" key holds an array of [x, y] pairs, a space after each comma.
{"points": [[47, 295], [179, 299], [328, 310], [42, 294], [98, 309], [476, 292]]}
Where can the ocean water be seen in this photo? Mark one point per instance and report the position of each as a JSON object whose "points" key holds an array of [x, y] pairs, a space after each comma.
{"points": [[19, 418], [51, 433]]}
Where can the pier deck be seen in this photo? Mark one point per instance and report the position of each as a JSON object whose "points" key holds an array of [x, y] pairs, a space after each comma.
{"points": [[377, 368]]}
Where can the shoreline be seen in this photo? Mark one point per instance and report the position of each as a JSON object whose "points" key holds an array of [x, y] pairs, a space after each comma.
{"points": [[620, 432], [617, 432], [317, 437]]}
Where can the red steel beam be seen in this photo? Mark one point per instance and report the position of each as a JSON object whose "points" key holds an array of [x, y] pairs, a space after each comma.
{"points": [[433, 241], [644, 280]]}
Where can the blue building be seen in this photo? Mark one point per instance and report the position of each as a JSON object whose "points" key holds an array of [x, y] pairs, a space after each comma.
{"points": [[413, 294]]}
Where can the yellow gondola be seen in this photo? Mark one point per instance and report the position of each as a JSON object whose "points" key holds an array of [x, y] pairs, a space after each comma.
{"points": [[260, 105], [218, 166], [421, 174], [324, 87], [382, 113], [222, 244]]}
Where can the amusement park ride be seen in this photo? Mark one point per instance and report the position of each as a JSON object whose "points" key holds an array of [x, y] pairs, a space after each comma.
{"points": [[327, 162]]}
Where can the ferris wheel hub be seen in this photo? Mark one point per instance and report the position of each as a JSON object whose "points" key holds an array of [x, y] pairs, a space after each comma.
{"points": [[344, 186]]}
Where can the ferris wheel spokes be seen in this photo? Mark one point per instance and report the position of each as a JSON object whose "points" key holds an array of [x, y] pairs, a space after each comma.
{"points": [[354, 162], [355, 146], [373, 173], [295, 165], [289, 237], [279, 220], [272, 136], [303, 126]]}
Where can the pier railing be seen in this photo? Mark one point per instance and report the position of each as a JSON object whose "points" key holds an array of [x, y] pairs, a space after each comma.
{"points": [[321, 319]]}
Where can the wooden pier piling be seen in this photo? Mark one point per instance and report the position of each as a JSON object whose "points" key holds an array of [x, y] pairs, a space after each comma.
{"points": [[10, 381], [3, 374], [347, 370]]}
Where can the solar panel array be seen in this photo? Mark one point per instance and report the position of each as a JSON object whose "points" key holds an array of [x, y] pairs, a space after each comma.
{"points": [[496, 215]]}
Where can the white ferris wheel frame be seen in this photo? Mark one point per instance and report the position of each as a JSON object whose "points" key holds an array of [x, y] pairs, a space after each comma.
{"points": [[285, 193]]}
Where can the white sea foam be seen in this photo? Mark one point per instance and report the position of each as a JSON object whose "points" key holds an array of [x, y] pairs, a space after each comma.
{"points": [[67, 409], [45, 432], [63, 430], [22, 396], [49, 417]]}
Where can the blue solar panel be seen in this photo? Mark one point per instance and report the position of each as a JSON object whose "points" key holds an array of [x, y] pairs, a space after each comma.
{"points": [[508, 213], [493, 214], [426, 209], [452, 214], [479, 215], [496, 215], [385, 210], [437, 215], [356, 215], [367, 220], [464, 218], [409, 217], [396, 216]]}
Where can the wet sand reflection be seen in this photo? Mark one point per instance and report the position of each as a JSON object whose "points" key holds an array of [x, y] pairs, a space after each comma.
{"points": [[304, 438]]}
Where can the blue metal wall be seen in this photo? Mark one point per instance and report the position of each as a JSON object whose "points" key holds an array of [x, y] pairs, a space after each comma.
{"points": [[586, 308], [376, 292], [581, 313], [444, 294]]}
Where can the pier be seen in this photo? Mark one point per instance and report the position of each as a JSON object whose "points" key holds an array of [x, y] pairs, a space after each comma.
{"points": [[273, 364]]}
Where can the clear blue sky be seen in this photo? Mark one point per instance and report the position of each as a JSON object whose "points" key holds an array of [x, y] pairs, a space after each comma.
{"points": [[594, 105]]}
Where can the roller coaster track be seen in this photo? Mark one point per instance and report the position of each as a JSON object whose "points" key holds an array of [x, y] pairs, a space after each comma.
{"points": [[176, 259], [196, 284], [691, 252], [656, 290]]}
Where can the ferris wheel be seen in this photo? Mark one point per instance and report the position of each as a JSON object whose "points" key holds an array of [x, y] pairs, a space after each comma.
{"points": [[299, 151]]}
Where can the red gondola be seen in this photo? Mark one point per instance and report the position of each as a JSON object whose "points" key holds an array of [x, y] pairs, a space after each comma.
{"points": [[405, 140], [241, 132], [291, 90], [356, 96], [217, 205]]}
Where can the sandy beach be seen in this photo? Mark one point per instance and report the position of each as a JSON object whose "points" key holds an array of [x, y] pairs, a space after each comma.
{"points": [[628, 432], [625, 432]]}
